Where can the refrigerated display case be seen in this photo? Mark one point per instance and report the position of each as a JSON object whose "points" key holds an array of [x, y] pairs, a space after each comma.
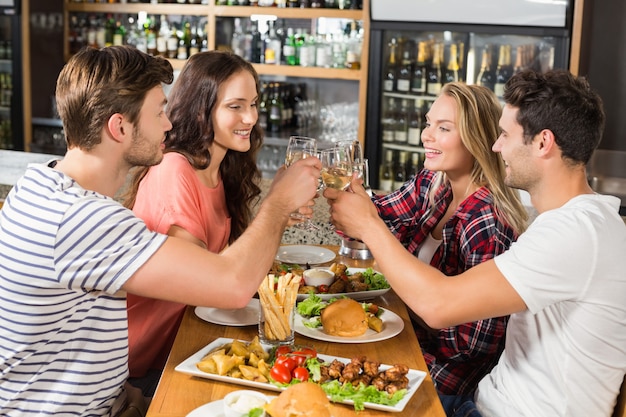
{"points": [[11, 73], [416, 46]]}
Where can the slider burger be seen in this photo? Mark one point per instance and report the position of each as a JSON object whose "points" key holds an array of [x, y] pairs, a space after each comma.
{"points": [[304, 399], [345, 318]]}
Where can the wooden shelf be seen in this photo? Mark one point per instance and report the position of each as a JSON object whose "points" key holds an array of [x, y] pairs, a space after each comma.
{"points": [[117, 8], [213, 12]]}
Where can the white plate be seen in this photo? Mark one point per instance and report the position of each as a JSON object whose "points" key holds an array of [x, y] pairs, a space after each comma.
{"points": [[358, 295], [212, 409], [246, 316], [392, 325], [304, 254], [188, 366]]}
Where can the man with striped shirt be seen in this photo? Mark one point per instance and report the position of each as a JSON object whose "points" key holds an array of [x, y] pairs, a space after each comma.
{"points": [[69, 252]]}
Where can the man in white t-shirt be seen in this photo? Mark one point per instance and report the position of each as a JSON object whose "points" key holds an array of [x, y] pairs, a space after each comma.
{"points": [[562, 282], [69, 252]]}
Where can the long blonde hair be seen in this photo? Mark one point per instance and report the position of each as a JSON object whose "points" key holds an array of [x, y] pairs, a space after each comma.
{"points": [[478, 112]]}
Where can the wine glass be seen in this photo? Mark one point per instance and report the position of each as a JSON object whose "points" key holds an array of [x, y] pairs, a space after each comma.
{"points": [[300, 147], [336, 167]]}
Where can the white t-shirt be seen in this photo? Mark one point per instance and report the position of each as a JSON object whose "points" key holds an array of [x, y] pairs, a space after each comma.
{"points": [[65, 252], [566, 354]]}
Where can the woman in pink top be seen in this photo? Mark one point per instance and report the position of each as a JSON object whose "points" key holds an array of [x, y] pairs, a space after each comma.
{"points": [[210, 153]]}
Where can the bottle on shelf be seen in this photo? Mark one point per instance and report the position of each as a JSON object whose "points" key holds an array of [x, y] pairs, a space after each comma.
{"points": [[194, 42], [418, 78], [275, 110], [289, 49], [273, 47], [461, 59], [416, 120], [172, 43], [504, 71], [353, 48], [293, 3], [306, 50], [385, 178], [399, 173], [338, 50], [452, 69], [237, 42], [119, 36], [388, 121], [486, 77], [434, 72], [391, 70], [402, 123], [405, 71], [256, 43], [323, 51], [162, 36]]}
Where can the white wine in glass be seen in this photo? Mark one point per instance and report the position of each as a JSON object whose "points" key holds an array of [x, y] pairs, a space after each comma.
{"points": [[336, 168]]}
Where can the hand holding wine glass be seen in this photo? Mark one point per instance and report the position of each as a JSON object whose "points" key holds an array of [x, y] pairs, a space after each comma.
{"points": [[300, 147]]}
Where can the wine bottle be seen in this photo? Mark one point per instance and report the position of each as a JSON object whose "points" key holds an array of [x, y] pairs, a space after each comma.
{"points": [[399, 174], [388, 121], [452, 69], [402, 123], [486, 77], [275, 111], [434, 72], [418, 79], [416, 118], [403, 84], [504, 71], [385, 181], [389, 82], [263, 107]]}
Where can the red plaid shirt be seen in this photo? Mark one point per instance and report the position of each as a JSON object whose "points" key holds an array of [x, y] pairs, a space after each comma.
{"points": [[457, 357]]}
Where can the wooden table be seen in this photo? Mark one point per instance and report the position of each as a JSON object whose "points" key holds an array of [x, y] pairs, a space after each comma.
{"points": [[178, 394]]}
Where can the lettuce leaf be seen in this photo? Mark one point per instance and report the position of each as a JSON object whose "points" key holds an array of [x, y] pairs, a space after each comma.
{"points": [[361, 394]]}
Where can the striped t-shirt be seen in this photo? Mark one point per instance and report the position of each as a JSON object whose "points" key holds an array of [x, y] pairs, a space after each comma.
{"points": [[65, 252]]}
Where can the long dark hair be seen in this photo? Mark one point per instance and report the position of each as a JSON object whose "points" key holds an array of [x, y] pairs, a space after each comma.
{"points": [[190, 105]]}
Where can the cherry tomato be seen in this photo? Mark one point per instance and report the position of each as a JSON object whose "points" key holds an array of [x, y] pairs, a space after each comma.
{"points": [[287, 361], [299, 358], [308, 351], [300, 373], [373, 308], [282, 350], [323, 289], [280, 373]]}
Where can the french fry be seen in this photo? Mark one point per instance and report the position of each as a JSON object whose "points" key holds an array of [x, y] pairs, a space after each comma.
{"points": [[278, 305]]}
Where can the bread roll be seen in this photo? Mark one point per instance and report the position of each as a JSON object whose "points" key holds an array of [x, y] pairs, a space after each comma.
{"points": [[345, 318]]}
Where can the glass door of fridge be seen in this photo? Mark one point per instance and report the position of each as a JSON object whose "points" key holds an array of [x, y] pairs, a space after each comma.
{"points": [[415, 64]]}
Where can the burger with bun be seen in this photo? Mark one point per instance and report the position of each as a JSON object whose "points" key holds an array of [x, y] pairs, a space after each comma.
{"points": [[345, 318], [305, 399]]}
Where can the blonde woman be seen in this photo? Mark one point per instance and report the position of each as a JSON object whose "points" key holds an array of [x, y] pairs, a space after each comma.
{"points": [[456, 213]]}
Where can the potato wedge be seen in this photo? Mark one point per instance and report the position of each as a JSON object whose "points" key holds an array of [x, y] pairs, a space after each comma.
{"points": [[374, 323]]}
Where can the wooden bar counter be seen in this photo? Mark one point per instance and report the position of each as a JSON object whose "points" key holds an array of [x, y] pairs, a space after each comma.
{"points": [[178, 394]]}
